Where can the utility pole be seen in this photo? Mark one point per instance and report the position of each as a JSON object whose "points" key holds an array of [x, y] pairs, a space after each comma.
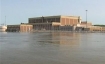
{"points": [[86, 18]]}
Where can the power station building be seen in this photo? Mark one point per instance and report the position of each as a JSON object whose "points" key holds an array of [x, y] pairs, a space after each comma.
{"points": [[54, 22]]}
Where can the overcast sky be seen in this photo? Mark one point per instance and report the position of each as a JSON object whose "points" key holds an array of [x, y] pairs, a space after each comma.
{"points": [[17, 11]]}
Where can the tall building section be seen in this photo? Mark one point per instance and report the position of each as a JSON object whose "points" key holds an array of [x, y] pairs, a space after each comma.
{"points": [[54, 22], [70, 20]]}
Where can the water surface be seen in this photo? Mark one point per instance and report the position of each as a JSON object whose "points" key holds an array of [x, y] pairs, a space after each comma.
{"points": [[52, 48]]}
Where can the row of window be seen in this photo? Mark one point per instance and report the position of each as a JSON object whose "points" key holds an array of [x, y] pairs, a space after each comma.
{"points": [[44, 20]]}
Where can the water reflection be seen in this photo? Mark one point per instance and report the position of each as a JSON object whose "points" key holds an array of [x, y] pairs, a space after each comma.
{"points": [[62, 38]]}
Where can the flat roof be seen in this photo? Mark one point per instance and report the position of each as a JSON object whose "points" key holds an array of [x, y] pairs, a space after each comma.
{"points": [[53, 16], [19, 24]]}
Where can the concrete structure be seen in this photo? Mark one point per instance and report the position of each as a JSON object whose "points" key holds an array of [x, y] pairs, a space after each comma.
{"points": [[54, 22], [87, 26], [19, 28], [96, 28], [84, 24]]}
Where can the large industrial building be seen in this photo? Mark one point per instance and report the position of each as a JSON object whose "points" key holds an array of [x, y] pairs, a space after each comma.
{"points": [[60, 22], [54, 22]]}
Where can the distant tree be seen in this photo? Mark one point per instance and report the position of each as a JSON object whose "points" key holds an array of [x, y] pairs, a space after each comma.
{"points": [[100, 25]]}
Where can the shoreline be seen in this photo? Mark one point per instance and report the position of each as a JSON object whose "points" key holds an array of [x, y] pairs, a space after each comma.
{"points": [[47, 31], [71, 31]]}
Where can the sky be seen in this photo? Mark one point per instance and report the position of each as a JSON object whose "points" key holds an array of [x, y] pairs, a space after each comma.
{"points": [[17, 11]]}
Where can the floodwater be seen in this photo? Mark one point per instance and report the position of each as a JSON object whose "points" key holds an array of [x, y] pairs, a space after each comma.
{"points": [[52, 48]]}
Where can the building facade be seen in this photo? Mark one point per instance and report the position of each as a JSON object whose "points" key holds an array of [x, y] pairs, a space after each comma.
{"points": [[19, 28], [53, 22], [96, 28], [61, 23]]}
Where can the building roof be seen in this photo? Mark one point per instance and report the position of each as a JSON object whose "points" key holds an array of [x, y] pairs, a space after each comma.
{"points": [[19, 24], [54, 16]]}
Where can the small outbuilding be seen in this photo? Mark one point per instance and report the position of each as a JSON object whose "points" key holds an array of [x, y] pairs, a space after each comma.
{"points": [[20, 28]]}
